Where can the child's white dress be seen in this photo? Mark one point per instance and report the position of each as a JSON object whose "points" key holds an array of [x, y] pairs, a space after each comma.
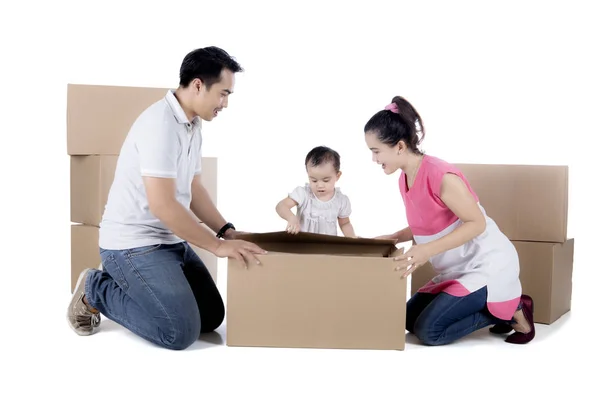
{"points": [[318, 216]]}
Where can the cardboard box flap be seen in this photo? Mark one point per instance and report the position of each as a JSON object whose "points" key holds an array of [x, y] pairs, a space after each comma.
{"points": [[313, 243], [304, 237]]}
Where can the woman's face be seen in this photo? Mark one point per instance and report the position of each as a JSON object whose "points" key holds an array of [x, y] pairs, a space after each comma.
{"points": [[389, 157]]}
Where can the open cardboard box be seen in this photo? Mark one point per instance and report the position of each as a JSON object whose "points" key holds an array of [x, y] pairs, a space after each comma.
{"points": [[317, 291]]}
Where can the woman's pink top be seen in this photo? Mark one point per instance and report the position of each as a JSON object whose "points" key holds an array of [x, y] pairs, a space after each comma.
{"points": [[489, 259]]}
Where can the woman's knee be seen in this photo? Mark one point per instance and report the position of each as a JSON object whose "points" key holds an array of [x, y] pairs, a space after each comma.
{"points": [[427, 334], [414, 308], [410, 322]]}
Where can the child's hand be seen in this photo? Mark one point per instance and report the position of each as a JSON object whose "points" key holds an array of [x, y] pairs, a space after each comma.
{"points": [[293, 225]]}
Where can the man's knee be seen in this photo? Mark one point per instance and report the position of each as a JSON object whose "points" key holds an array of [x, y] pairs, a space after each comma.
{"points": [[180, 332], [212, 319]]}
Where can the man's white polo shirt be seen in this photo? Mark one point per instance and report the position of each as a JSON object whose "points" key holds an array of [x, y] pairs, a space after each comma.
{"points": [[162, 142]]}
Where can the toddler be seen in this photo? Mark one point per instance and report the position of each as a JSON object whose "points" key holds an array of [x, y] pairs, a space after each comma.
{"points": [[320, 205]]}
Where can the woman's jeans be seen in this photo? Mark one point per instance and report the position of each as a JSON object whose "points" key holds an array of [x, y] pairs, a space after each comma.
{"points": [[440, 318]]}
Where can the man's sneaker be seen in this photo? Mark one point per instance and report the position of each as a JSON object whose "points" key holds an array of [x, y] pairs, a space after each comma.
{"points": [[80, 318], [96, 319], [96, 316]]}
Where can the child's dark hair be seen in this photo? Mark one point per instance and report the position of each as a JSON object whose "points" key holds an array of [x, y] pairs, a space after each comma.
{"points": [[206, 64], [321, 155], [398, 122]]}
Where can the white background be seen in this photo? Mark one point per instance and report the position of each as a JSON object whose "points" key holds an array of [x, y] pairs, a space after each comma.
{"points": [[510, 82]]}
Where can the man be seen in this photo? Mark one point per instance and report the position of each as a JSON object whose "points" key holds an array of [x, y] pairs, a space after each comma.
{"points": [[152, 282]]}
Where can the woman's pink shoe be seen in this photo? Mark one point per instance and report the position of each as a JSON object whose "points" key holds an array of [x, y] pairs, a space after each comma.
{"points": [[519, 337]]}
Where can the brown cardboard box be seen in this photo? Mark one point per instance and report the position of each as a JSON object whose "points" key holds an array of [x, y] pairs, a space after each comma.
{"points": [[317, 291], [85, 252], [546, 276], [420, 277], [528, 202], [92, 177], [209, 176], [99, 117]]}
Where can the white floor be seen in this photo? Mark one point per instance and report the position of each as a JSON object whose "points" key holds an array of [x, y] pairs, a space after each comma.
{"points": [[115, 364]]}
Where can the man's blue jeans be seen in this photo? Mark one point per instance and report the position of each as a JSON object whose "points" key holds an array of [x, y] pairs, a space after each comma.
{"points": [[438, 319], [163, 293]]}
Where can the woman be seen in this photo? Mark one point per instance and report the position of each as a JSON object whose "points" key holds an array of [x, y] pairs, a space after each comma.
{"points": [[477, 282]]}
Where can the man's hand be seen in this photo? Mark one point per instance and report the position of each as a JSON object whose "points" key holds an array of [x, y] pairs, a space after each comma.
{"points": [[232, 234], [241, 250]]}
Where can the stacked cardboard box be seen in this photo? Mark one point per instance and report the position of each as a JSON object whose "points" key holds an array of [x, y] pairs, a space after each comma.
{"points": [[98, 120], [529, 203]]}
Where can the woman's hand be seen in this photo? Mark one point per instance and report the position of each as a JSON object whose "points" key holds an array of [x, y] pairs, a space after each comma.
{"points": [[416, 256]]}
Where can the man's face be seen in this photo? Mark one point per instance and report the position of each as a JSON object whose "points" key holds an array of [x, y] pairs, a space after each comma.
{"points": [[208, 103]]}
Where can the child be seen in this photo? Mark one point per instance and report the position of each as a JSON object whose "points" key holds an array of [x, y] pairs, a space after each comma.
{"points": [[320, 205]]}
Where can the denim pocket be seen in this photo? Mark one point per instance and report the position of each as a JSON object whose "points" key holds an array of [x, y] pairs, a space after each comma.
{"points": [[140, 251], [110, 265]]}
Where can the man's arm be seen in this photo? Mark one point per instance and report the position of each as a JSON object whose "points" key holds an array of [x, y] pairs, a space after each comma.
{"points": [[164, 205], [158, 149], [203, 207]]}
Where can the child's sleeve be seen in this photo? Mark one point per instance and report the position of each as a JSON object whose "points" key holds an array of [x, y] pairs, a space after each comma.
{"points": [[298, 195], [345, 208]]}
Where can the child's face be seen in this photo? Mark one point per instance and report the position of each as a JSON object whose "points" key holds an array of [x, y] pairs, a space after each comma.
{"points": [[322, 179]]}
